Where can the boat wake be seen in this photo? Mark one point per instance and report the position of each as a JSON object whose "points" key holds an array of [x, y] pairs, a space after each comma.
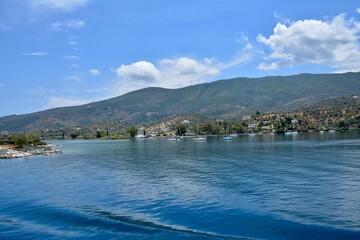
{"points": [[28, 220]]}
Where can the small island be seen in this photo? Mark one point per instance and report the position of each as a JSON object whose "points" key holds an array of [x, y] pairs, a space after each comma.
{"points": [[24, 145]]}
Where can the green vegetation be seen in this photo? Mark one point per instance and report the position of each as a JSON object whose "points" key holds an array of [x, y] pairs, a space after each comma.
{"points": [[100, 133], [74, 134], [3, 139], [21, 140], [132, 131], [333, 114], [180, 129], [226, 99]]}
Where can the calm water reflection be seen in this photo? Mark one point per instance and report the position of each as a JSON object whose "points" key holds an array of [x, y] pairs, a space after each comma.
{"points": [[265, 186]]}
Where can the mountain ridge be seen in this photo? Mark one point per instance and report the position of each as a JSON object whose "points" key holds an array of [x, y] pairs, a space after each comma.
{"points": [[228, 98]]}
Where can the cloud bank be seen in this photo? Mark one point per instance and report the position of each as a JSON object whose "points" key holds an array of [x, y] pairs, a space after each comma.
{"points": [[332, 43], [168, 73]]}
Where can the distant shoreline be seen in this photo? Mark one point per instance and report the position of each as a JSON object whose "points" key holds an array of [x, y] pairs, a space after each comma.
{"points": [[203, 135]]}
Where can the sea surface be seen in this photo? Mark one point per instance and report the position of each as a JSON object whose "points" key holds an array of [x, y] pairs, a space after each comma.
{"points": [[304, 186]]}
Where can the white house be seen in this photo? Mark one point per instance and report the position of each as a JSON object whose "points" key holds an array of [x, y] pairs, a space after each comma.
{"points": [[294, 122]]}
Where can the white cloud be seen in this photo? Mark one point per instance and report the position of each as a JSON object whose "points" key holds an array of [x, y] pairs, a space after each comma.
{"points": [[139, 71], [35, 54], [55, 102], [183, 71], [358, 10], [281, 18], [332, 43], [268, 66], [174, 72], [188, 66], [347, 70], [241, 59], [68, 24], [243, 39], [72, 57], [65, 5], [168, 73], [94, 72]]}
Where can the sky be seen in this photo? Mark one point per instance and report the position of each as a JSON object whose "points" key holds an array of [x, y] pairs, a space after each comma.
{"points": [[56, 53]]}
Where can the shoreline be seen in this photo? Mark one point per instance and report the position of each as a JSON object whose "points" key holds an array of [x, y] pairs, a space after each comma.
{"points": [[12, 151]]}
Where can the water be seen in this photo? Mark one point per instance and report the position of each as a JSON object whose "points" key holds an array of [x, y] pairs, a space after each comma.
{"points": [[257, 187]]}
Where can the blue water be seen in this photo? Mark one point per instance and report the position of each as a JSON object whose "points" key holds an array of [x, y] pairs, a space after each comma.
{"points": [[305, 186]]}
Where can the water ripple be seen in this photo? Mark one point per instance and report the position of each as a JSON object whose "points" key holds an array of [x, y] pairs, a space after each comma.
{"points": [[260, 187]]}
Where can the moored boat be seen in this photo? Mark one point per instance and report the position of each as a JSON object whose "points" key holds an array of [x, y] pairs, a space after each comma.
{"points": [[200, 139], [174, 139], [291, 132]]}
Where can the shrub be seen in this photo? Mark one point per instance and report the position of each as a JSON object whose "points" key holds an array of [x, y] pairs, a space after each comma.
{"points": [[100, 134], [180, 129], [132, 131], [74, 134]]}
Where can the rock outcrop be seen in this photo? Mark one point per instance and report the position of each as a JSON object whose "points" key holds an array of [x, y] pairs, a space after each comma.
{"points": [[29, 151]]}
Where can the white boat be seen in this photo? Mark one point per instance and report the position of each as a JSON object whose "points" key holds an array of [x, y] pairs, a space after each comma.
{"points": [[197, 138], [227, 138], [291, 132], [321, 132], [200, 139], [233, 135], [140, 136], [331, 131], [174, 139]]}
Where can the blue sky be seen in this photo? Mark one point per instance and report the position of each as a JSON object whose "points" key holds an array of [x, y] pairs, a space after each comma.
{"points": [[57, 53]]}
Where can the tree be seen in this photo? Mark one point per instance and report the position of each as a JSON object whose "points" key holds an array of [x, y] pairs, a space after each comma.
{"points": [[206, 128], [19, 140], [239, 129], [288, 120], [100, 134], [33, 138], [132, 131], [74, 134], [216, 129], [180, 129], [343, 125], [2, 139]]}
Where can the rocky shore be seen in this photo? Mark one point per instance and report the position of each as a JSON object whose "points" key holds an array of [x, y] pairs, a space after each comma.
{"points": [[11, 152]]}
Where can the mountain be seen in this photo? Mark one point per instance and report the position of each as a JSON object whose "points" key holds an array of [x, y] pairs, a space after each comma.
{"points": [[230, 98]]}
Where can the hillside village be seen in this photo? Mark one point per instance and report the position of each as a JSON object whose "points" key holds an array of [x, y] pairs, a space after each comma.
{"points": [[319, 118], [334, 114]]}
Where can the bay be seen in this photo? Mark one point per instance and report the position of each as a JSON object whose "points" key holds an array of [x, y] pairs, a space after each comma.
{"points": [[253, 187]]}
